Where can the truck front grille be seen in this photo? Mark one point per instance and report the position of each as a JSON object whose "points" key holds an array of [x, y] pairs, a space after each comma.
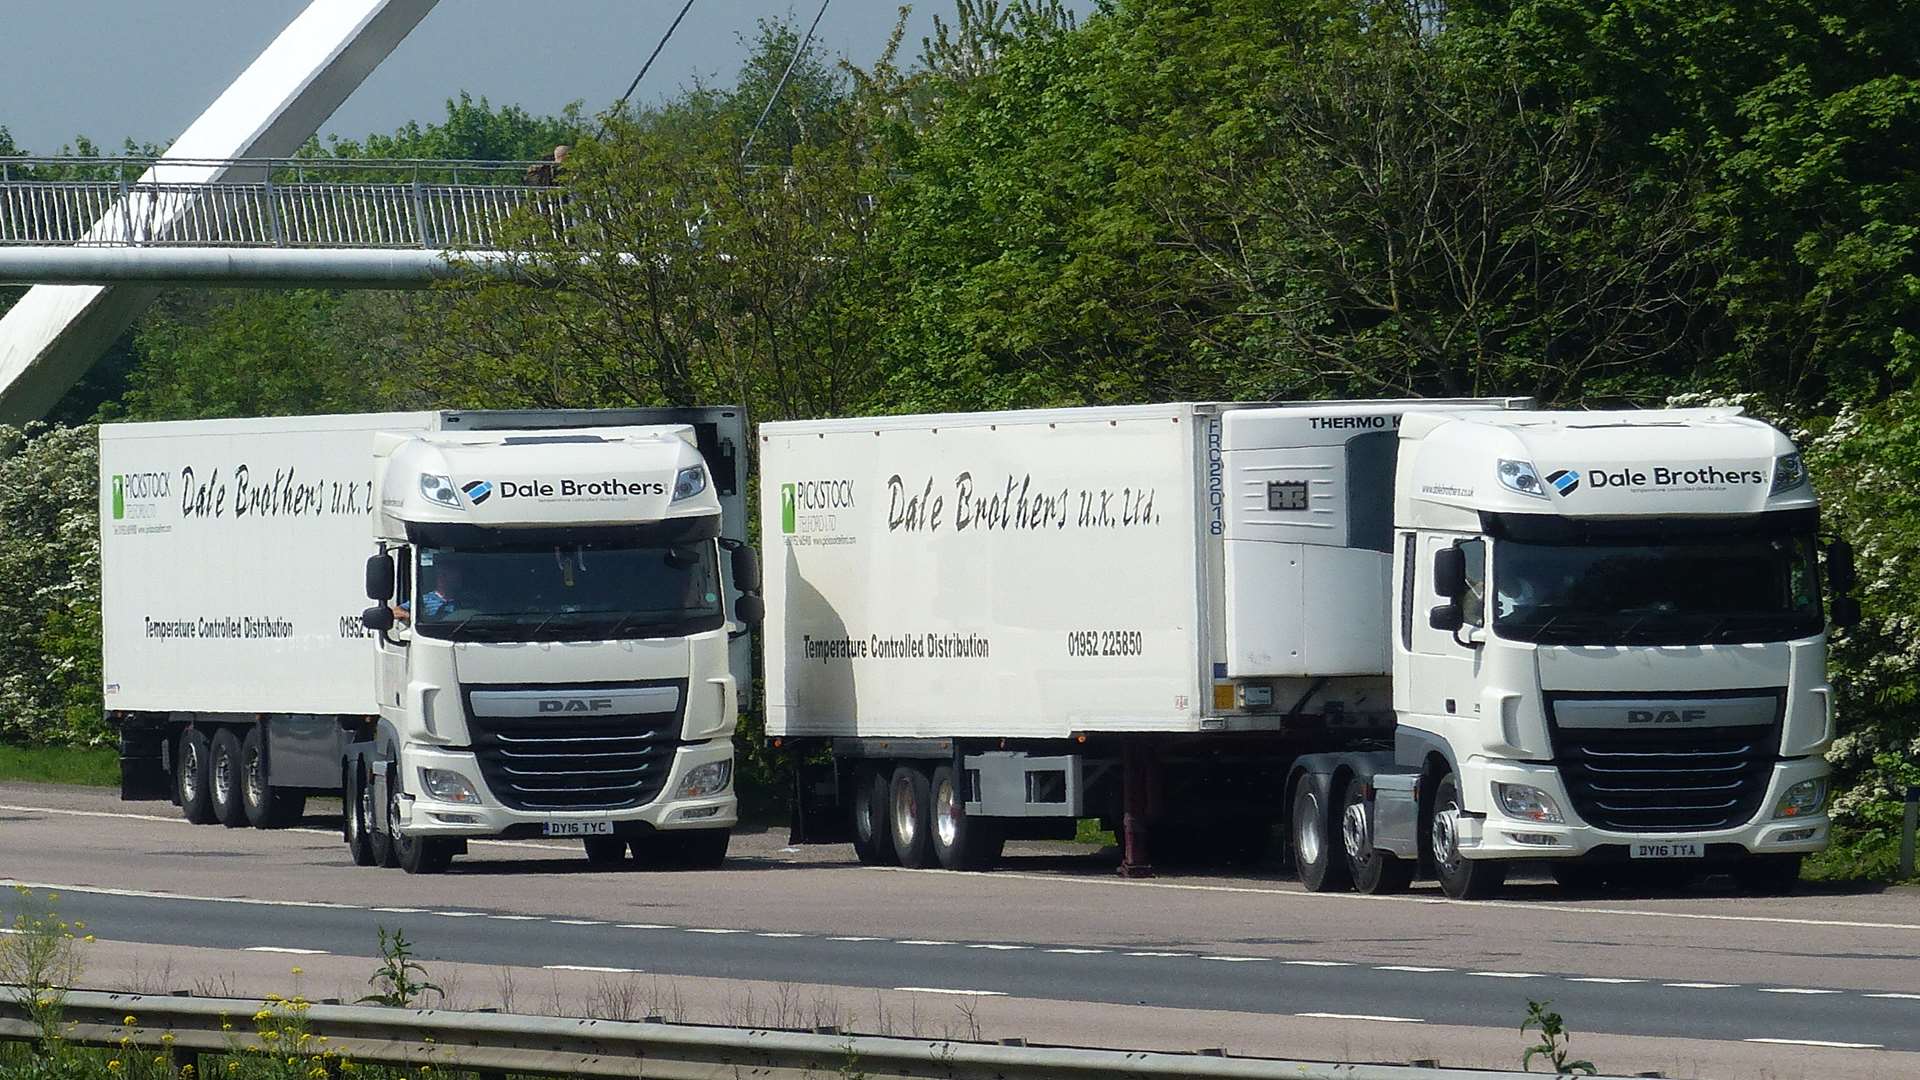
{"points": [[1664, 781], [576, 763]]}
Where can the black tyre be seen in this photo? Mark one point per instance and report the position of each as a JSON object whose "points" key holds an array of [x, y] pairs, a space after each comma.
{"points": [[229, 780], [961, 842], [605, 850], [1460, 878], [910, 815], [356, 815], [1317, 859], [193, 777], [1374, 871], [266, 807], [1768, 875], [415, 854], [380, 828], [872, 835]]}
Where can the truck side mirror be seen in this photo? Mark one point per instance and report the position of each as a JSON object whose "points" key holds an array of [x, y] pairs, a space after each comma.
{"points": [[1446, 617], [378, 618], [379, 577], [1845, 610], [1450, 573], [750, 609], [746, 569], [1840, 573]]}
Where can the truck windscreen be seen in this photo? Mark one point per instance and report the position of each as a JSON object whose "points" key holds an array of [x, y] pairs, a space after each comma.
{"points": [[1700, 590], [589, 590]]}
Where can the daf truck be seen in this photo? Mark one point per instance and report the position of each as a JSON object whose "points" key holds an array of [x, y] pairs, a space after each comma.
{"points": [[1412, 638], [557, 642]]}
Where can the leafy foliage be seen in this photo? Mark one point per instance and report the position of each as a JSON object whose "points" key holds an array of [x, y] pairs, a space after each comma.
{"points": [[50, 605]]}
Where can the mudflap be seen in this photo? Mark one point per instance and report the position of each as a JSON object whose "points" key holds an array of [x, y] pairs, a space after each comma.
{"points": [[144, 776]]}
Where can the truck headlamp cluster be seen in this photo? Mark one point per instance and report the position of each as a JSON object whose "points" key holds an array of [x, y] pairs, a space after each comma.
{"points": [[1789, 472], [1520, 476], [1527, 803], [1803, 798], [445, 785], [689, 482], [703, 780], [439, 489]]}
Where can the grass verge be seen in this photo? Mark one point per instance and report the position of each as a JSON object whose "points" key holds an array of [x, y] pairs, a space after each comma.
{"points": [[88, 766]]}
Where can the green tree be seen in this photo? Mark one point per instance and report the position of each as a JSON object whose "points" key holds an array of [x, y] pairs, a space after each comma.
{"points": [[50, 599]]}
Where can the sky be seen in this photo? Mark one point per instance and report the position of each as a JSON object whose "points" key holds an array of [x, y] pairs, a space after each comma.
{"points": [[110, 69]]}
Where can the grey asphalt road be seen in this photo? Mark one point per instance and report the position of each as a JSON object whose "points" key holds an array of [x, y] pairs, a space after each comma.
{"points": [[1702, 964]]}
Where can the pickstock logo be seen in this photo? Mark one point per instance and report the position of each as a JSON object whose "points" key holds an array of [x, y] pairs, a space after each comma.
{"points": [[478, 491], [788, 511], [135, 494], [1565, 481]]}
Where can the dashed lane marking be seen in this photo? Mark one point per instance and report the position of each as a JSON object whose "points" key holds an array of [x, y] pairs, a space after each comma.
{"points": [[1078, 952], [1362, 1016], [949, 990], [288, 949], [1169, 954], [1897, 997], [1411, 968], [1699, 986], [1599, 979], [921, 941], [1236, 959], [515, 918], [461, 914], [1507, 974], [591, 967], [713, 930], [778, 933], [997, 947], [1317, 963], [578, 922], [646, 926], [1818, 1042], [1795, 990]]}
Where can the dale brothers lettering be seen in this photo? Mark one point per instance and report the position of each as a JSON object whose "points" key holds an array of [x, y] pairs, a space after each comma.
{"points": [[243, 492], [1018, 504]]}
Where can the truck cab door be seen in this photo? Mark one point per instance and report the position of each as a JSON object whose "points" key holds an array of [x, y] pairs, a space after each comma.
{"points": [[391, 672], [1443, 666]]}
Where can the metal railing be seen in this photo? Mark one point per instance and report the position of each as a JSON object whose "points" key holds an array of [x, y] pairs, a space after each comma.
{"points": [[495, 1043], [66, 202]]}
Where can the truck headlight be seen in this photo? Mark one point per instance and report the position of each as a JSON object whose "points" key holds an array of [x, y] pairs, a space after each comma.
{"points": [[704, 780], [1805, 797], [1527, 803], [439, 489], [1789, 472], [689, 482], [1520, 476], [446, 785]]}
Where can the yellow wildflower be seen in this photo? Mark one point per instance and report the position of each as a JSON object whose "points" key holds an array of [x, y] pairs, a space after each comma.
{"points": [[128, 1020], [114, 1064]]}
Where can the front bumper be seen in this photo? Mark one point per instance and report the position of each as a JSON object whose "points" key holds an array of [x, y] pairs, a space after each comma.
{"points": [[1489, 834], [424, 816]]}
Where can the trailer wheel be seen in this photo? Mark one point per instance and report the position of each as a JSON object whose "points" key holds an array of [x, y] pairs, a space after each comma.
{"points": [[266, 808], [872, 835], [415, 854], [193, 777], [910, 810], [605, 850], [1460, 878], [1375, 871], [229, 780], [356, 812], [960, 842], [1316, 859]]}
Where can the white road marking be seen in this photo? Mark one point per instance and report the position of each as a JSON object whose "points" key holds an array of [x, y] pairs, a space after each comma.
{"points": [[778, 933], [332, 834], [712, 930], [853, 938], [579, 922], [590, 967], [285, 949], [921, 941], [515, 918], [1413, 968], [1507, 974], [1598, 979], [1159, 954], [1362, 1016], [1235, 959], [1317, 963], [460, 914], [997, 947], [948, 990], [646, 926], [401, 910], [1515, 905], [1899, 997], [1078, 952], [154, 894], [1794, 990], [1818, 1042], [1700, 986]]}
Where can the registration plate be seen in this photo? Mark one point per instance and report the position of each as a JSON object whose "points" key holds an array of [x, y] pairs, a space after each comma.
{"points": [[579, 828], [1678, 849]]}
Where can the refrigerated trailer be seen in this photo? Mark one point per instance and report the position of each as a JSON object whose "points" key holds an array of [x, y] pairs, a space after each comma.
{"points": [[1430, 636], [557, 643]]}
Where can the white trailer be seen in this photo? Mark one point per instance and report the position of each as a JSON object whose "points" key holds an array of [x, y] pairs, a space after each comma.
{"points": [[1199, 621], [552, 692]]}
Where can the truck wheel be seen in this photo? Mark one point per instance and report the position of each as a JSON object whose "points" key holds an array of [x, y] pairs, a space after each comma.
{"points": [[1767, 875], [1460, 878], [229, 780], [415, 854], [1316, 860], [872, 835], [379, 832], [605, 850], [193, 777], [1375, 871], [356, 812], [266, 808], [960, 842], [910, 810]]}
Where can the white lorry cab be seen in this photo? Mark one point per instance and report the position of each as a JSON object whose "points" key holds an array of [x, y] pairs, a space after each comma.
{"points": [[557, 644], [1426, 637]]}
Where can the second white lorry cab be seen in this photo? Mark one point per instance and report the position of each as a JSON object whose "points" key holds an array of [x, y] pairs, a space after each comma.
{"points": [[1425, 636], [557, 644]]}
